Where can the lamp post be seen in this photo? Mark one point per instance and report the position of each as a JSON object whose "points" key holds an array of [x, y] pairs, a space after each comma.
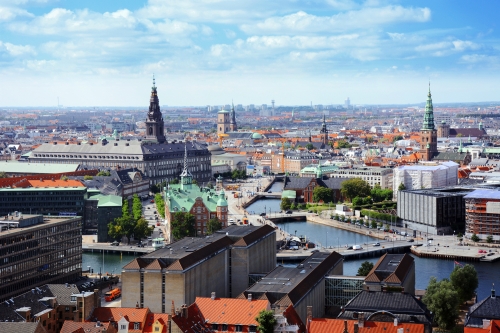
{"points": [[89, 269]]}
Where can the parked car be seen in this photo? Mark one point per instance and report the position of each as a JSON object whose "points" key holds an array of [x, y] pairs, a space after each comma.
{"points": [[115, 243], [262, 214], [376, 244], [152, 201], [288, 212], [411, 240]]}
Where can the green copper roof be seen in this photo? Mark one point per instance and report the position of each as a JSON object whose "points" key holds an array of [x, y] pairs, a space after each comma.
{"points": [[222, 200], [107, 200], [289, 194], [183, 200], [429, 113], [314, 168]]}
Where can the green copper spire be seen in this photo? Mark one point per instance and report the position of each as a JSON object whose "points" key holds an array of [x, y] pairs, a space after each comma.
{"points": [[429, 113], [460, 149]]}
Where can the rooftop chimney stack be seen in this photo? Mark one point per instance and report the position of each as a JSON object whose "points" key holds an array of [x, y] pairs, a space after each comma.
{"points": [[212, 295], [249, 297]]}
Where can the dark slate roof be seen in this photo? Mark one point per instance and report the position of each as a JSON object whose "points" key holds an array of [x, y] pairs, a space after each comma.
{"points": [[332, 183], [63, 292], [450, 156], [22, 327], [315, 144], [474, 132], [488, 308], [395, 302], [296, 183]]}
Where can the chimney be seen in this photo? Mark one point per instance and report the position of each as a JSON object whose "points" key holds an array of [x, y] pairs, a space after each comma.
{"points": [[249, 297], [184, 311], [172, 309], [486, 324], [493, 291], [396, 322], [356, 328], [345, 327], [361, 319], [212, 296], [309, 313]]}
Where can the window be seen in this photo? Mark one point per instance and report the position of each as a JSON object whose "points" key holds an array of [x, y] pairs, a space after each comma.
{"points": [[224, 328], [238, 328], [123, 327], [215, 327], [252, 328], [157, 329], [66, 309], [137, 326]]}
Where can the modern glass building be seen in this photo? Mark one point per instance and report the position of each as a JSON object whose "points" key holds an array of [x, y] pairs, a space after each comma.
{"points": [[339, 290]]}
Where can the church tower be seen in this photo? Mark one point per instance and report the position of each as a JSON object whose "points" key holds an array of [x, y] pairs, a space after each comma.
{"points": [[324, 132], [223, 122], [232, 125], [428, 133], [154, 120], [186, 176]]}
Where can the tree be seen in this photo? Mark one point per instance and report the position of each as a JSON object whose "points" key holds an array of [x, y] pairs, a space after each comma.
{"points": [[213, 225], [322, 194], [136, 207], [355, 187], [401, 187], [87, 177], [174, 181], [309, 146], [373, 224], [122, 227], [104, 173], [465, 281], [125, 209], [365, 268], [194, 182], [266, 321], [160, 204], [142, 229], [442, 299], [3, 174], [64, 178], [397, 138], [378, 194], [285, 203], [343, 144], [475, 238], [357, 201], [182, 225], [489, 239]]}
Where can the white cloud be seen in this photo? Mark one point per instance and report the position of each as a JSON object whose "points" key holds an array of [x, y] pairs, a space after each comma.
{"points": [[9, 13], [445, 48], [360, 19], [17, 50]]}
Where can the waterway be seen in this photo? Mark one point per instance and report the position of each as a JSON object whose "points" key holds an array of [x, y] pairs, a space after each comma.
{"points": [[113, 262]]}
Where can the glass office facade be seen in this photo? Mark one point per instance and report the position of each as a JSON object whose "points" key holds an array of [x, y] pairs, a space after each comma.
{"points": [[339, 290]]}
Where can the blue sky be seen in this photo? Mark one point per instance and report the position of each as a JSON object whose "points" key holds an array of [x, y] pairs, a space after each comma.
{"points": [[103, 53]]}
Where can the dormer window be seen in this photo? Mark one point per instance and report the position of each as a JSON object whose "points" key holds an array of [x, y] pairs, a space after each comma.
{"points": [[137, 326]]}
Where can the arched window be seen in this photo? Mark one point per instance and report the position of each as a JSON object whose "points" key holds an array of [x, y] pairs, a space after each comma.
{"points": [[151, 131]]}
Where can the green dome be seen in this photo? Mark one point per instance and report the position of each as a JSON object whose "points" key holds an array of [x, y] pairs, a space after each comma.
{"points": [[222, 200], [256, 136]]}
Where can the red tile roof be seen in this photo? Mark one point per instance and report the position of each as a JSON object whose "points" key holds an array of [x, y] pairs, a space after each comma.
{"points": [[153, 318], [56, 183], [86, 327], [322, 325], [493, 328], [133, 315], [231, 310], [194, 319]]}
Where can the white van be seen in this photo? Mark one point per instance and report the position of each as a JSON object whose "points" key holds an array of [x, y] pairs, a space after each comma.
{"points": [[231, 220], [357, 247]]}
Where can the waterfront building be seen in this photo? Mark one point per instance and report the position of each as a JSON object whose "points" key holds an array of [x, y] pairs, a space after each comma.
{"points": [[340, 289], [392, 272], [100, 210], [482, 214], [484, 313], [304, 186], [305, 284], [226, 263], [153, 155], [389, 307], [429, 175], [203, 203], [372, 175], [35, 250], [433, 211]]}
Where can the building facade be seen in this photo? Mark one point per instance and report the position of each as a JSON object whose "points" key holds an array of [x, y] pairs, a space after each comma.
{"points": [[196, 267], [482, 214], [372, 175], [35, 250]]}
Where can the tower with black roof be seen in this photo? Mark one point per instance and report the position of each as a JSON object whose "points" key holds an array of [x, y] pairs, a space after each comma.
{"points": [[154, 121]]}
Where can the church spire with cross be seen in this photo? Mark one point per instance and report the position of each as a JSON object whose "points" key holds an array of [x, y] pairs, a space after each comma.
{"points": [[154, 119], [186, 176], [232, 125], [324, 131]]}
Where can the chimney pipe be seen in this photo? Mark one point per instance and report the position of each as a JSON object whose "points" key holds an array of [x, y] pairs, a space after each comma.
{"points": [[212, 295], [356, 328], [345, 327], [249, 297]]}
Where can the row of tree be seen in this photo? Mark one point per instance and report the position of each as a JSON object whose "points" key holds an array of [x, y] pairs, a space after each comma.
{"points": [[183, 224], [130, 224]]}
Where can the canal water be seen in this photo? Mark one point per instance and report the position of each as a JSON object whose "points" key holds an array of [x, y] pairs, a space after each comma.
{"points": [[113, 262]]}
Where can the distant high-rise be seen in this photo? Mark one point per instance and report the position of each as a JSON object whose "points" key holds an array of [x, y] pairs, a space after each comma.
{"points": [[347, 103]]}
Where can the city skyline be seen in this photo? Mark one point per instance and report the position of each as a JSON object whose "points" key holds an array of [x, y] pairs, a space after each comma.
{"points": [[207, 51]]}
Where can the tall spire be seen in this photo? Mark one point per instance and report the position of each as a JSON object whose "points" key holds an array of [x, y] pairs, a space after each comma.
{"points": [[154, 84], [186, 176], [232, 124], [429, 113], [154, 119]]}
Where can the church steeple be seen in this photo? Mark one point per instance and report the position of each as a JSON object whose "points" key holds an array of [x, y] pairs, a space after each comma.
{"points": [[429, 113], [428, 133], [186, 176], [324, 131], [154, 119], [232, 125]]}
